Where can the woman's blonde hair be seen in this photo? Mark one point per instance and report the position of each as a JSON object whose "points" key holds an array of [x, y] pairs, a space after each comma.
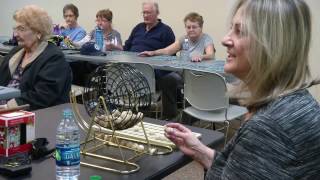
{"points": [[279, 33], [36, 18]]}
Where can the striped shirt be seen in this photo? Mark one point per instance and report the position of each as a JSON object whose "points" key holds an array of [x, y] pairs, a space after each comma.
{"points": [[281, 141]]}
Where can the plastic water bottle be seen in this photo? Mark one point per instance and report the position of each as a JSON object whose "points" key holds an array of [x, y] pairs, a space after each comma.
{"points": [[67, 148], [99, 38], [185, 50]]}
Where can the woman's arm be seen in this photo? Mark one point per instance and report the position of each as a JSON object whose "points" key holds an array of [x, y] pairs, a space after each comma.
{"points": [[118, 42], [170, 50], [80, 34], [78, 44], [209, 53], [110, 46], [118, 47], [189, 144], [115, 43]]}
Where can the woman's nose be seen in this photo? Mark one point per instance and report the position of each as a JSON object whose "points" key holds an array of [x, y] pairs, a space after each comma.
{"points": [[227, 41]]}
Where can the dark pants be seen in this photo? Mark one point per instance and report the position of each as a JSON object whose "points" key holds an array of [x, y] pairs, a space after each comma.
{"points": [[81, 71], [169, 82]]}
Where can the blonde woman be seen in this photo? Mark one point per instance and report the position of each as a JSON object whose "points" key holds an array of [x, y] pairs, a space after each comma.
{"points": [[267, 46], [36, 67]]}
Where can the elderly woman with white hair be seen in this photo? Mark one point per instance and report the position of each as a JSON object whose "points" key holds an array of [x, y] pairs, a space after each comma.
{"points": [[36, 67], [267, 46]]}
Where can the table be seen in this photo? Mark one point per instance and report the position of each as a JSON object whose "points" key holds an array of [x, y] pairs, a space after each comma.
{"points": [[4, 38], [5, 49], [165, 62], [152, 167], [9, 93]]}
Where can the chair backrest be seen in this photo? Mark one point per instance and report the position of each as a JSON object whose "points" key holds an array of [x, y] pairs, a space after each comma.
{"points": [[205, 91], [148, 72]]}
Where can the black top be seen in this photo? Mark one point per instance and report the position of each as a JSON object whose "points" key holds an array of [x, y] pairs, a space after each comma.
{"points": [[158, 37], [45, 82]]}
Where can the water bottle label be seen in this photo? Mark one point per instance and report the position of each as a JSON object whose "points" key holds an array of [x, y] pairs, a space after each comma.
{"points": [[184, 47], [99, 38], [67, 155]]}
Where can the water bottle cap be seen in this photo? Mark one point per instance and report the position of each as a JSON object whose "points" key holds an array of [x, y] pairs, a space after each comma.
{"points": [[95, 177], [67, 113]]}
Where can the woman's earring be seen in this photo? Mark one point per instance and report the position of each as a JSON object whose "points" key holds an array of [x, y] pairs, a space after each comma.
{"points": [[39, 36]]}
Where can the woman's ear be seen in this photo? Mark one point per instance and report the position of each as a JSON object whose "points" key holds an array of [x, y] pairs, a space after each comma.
{"points": [[39, 36]]}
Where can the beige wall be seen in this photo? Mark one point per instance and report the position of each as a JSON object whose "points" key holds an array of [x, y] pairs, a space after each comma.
{"points": [[127, 13], [315, 45]]}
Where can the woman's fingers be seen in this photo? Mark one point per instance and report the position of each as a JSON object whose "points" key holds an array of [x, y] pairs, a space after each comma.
{"points": [[143, 54], [178, 126]]}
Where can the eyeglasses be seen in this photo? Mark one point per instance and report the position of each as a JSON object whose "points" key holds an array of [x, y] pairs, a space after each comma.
{"points": [[68, 15], [102, 20], [192, 27], [20, 29], [147, 13]]}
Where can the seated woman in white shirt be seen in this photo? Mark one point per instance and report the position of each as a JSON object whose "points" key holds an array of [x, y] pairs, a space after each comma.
{"points": [[200, 46]]}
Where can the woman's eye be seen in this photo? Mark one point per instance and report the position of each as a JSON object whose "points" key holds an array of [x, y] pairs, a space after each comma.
{"points": [[237, 31]]}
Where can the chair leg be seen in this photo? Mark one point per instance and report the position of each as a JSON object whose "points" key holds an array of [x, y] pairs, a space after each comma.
{"points": [[179, 119], [213, 126], [226, 132], [241, 119], [158, 111]]}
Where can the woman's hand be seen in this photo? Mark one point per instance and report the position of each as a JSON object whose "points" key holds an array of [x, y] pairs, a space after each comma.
{"points": [[197, 58], [183, 138], [63, 25], [68, 43], [147, 53], [189, 144], [109, 46], [4, 106]]}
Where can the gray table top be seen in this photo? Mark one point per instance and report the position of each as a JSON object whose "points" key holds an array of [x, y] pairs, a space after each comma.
{"points": [[4, 38], [152, 167], [8, 93], [165, 62], [4, 49]]}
